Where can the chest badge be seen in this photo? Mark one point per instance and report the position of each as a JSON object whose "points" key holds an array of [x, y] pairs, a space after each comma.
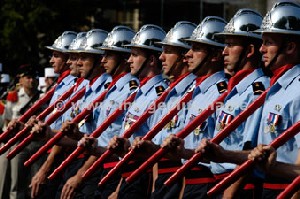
{"points": [[277, 107]]}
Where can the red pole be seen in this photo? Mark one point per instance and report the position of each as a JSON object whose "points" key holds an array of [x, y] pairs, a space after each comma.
{"points": [[42, 116], [236, 174], [30, 112], [95, 134], [162, 151], [86, 111], [219, 137], [49, 121], [290, 190], [36, 106], [130, 131]]}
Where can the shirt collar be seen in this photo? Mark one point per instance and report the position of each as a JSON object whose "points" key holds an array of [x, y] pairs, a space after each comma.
{"points": [[70, 79], [123, 81], [288, 77], [247, 81], [184, 83], [211, 80], [150, 83], [102, 79]]}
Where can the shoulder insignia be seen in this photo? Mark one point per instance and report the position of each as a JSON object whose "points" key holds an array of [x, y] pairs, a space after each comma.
{"points": [[159, 90], [222, 86], [258, 88], [12, 96], [133, 84], [106, 85]]}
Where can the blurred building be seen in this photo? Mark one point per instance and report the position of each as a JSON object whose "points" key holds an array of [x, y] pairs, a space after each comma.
{"points": [[166, 13]]}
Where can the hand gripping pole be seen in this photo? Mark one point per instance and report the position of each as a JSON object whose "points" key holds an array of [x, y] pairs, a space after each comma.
{"points": [[95, 134], [219, 137], [235, 174]]}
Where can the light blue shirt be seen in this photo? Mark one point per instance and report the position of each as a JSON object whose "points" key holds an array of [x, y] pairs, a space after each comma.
{"points": [[62, 87], [241, 96], [177, 122], [204, 94], [91, 93], [113, 99], [281, 111], [146, 95]]}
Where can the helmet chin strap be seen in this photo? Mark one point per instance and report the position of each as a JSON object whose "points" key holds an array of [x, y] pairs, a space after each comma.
{"points": [[142, 67], [89, 74], [280, 50], [241, 60], [195, 70], [114, 70], [179, 59]]}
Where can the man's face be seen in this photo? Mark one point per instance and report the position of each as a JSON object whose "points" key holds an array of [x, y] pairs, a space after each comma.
{"points": [[28, 82], [171, 59], [232, 52], [85, 64], [136, 60], [110, 61], [72, 63], [58, 61], [196, 55], [269, 49]]}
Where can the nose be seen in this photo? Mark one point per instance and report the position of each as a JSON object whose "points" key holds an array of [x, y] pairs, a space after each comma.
{"points": [[225, 50], [51, 61], [130, 59], [162, 57], [262, 48], [189, 54]]}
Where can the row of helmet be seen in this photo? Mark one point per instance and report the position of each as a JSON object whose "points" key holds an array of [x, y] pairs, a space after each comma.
{"points": [[284, 17]]}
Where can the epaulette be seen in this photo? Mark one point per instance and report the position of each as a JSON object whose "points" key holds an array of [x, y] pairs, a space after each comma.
{"points": [[2, 107], [258, 88], [159, 90], [222, 86], [133, 84], [106, 85], [12, 96]]}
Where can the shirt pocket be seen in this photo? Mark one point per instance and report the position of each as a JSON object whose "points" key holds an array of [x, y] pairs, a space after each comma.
{"points": [[281, 128]]}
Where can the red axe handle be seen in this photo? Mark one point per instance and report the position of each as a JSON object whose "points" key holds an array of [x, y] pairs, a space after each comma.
{"points": [[30, 112], [219, 137], [70, 158], [127, 134], [46, 112], [233, 176], [290, 190], [95, 134], [49, 121], [189, 128]]}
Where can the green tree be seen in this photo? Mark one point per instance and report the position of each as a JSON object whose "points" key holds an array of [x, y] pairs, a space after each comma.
{"points": [[27, 26]]}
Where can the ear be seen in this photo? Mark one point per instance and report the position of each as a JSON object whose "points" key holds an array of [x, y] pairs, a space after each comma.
{"points": [[217, 54], [290, 47], [250, 50], [152, 60]]}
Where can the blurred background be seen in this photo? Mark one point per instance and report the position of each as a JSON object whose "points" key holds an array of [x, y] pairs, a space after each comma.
{"points": [[29, 25]]}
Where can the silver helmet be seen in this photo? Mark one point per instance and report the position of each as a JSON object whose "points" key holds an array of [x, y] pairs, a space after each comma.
{"points": [[244, 23], [76, 42], [147, 37], [93, 39], [63, 42], [181, 30], [206, 30], [118, 38], [283, 18]]}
